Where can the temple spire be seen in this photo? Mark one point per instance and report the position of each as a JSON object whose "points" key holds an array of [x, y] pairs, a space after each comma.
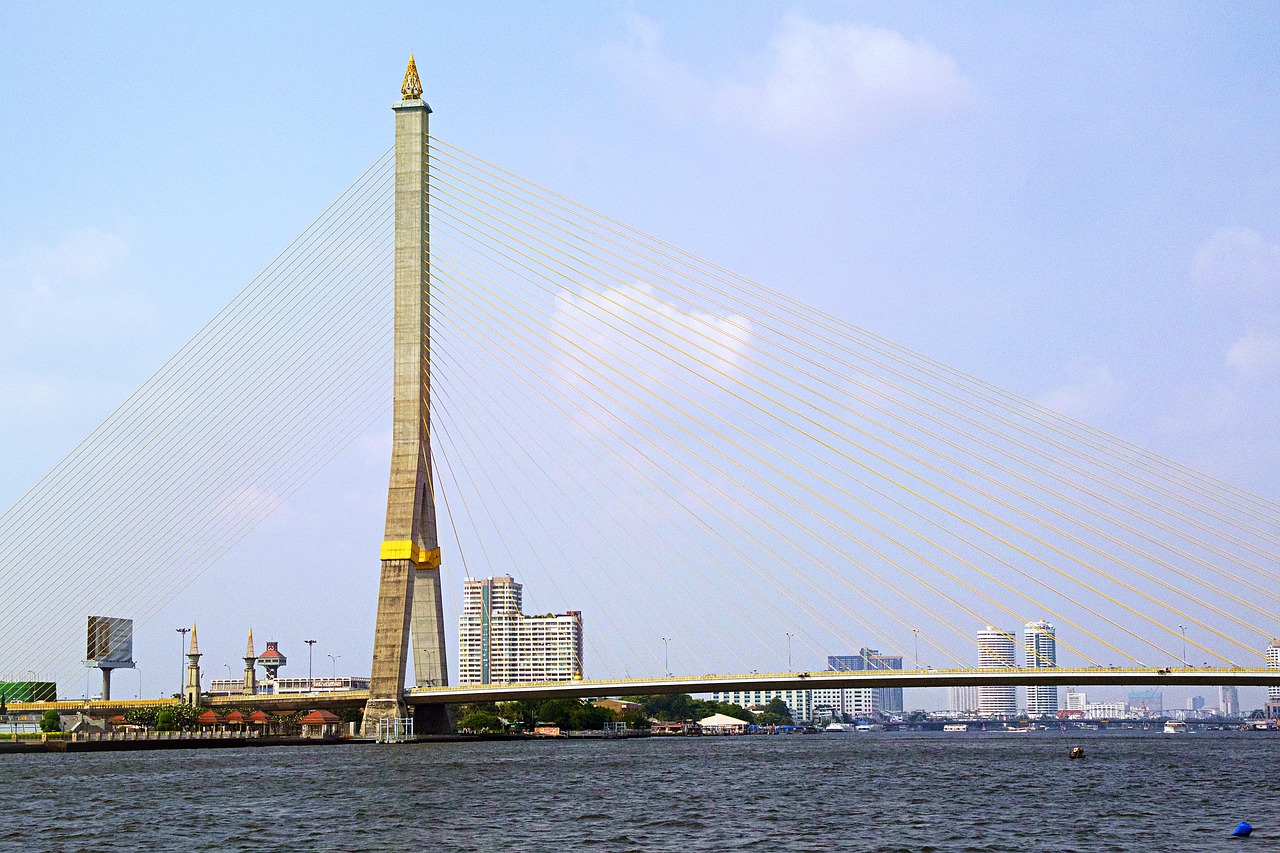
{"points": [[249, 652], [412, 88], [195, 647]]}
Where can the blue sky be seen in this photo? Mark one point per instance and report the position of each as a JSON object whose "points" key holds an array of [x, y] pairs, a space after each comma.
{"points": [[1074, 201]]}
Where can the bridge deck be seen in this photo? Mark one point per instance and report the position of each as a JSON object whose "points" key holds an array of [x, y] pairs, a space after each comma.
{"points": [[1114, 676]]}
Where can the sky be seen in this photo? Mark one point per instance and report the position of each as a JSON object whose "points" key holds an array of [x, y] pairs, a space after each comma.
{"points": [[1076, 202]]}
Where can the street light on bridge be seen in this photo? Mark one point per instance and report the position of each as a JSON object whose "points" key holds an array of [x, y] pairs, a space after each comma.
{"points": [[1183, 629], [311, 684], [182, 657], [335, 665], [789, 636], [666, 658]]}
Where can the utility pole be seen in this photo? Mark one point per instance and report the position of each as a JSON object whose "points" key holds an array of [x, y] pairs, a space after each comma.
{"points": [[311, 685], [182, 680]]}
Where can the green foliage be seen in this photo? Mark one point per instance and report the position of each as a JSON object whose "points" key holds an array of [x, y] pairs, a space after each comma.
{"points": [[165, 721], [574, 714], [681, 706], [49, 721], [776, 713], [635, 718], [481, 721]]}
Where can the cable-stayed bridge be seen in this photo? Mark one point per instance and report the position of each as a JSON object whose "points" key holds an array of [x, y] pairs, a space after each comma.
{"points": [[642, 435]]}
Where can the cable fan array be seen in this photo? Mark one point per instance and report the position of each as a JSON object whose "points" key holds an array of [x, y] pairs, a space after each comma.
{"points": [[639, 434]]}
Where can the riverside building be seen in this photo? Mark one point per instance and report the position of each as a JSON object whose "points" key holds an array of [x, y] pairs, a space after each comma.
{"points": [[799, 702], [997, 650], [499, 644], [1041, 648]]}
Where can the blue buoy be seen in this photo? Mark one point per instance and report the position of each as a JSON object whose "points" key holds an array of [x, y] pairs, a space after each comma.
{"points": [[1243, 829]]}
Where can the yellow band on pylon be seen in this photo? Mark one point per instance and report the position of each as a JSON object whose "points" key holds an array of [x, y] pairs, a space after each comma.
{"points": [[406, 550]]}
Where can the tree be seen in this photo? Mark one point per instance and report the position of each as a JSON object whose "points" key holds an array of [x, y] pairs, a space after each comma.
{"points": [[481, 721], [776, 713], [165, 721], [49, 721], [635, 718]]}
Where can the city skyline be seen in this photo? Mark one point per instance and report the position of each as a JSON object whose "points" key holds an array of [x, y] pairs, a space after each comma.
{"points": [[307, 516]]}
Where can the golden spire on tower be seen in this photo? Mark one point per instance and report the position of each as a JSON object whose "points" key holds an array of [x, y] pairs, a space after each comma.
{"points": [[412, 88]]}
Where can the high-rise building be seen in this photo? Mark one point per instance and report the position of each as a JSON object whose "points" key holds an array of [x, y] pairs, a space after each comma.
{"points": [[1273, 662], [997, 650], [887, 700], [1229, 701], [1041, 648], [1076, 701], [499, 644], [963, 700], [1146, 703]]}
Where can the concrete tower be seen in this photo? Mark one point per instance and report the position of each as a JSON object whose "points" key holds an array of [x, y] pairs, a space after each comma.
{"points": [[409, 587], [191, 693], [250, 668]]}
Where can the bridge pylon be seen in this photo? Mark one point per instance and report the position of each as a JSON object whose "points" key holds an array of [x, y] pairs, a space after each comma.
{"points": [[409, 598]]}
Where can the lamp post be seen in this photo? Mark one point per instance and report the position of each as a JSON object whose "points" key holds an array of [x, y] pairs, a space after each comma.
{"points": [[182, 669], [138, 670], [311, 685], [335, 665], [666, 658], [789, 636], [1183, 629], [227, 666]]}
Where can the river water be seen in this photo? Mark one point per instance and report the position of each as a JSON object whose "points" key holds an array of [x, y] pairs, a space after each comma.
{"points": [[856, 792]]}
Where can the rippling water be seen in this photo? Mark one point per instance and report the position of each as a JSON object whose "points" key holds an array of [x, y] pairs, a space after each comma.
{"points": [[873, 792]]}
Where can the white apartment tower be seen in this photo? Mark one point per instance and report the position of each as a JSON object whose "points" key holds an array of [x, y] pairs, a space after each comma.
{"points": [[997, 650], [963, 700], [1041, 649], [1273, 662], [499, 644]]}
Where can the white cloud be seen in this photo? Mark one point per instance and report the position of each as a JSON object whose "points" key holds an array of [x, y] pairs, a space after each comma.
{"points": [[619, 332], [822, 84], [1256, 353], [48, 292], [1090, 394], [1239, 259]]}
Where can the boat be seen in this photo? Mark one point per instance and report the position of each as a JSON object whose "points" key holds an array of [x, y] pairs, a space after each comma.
{"points": [[839, 728], [1175, 727], [955, 727]]}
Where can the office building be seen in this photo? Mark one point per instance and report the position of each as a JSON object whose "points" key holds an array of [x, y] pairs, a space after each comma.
{"points": [[888, 700], [1146, 703], [1076, 701], [499, 644], [997, 650], [1041, 648], [1229, 701]]}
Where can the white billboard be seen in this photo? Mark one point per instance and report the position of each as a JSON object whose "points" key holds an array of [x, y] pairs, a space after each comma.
{"points": [[110, 642]]}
